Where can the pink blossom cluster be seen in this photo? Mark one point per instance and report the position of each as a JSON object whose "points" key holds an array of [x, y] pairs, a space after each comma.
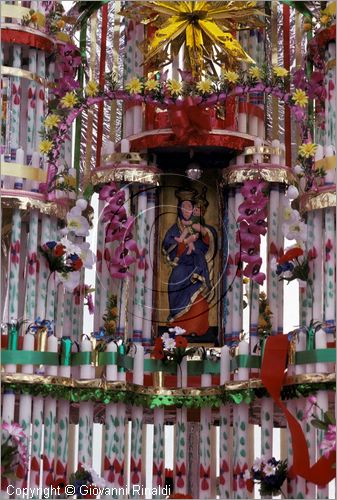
{"points": [[119, 230], [252, 223]]}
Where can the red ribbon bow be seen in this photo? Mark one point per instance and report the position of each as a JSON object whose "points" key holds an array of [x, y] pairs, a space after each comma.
{"points": [[189, 119]]}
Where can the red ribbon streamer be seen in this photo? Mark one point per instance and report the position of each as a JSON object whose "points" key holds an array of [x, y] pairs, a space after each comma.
{"points": [[273, 372], [101, 83]]}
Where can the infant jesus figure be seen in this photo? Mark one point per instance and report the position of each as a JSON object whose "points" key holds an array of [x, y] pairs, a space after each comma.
{"points": [[193, 227]]}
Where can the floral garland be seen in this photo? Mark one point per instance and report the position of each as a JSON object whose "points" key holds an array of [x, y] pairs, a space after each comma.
{"points": [[252, 223], [164, 93], [325, 421]]}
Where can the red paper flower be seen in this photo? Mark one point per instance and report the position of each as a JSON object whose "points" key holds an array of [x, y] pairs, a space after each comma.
{"points": [[48, 467], [158, 471], [135, 470], [180, 473], [15, 252], [59, 250], [181, 341], [291, 254], [204, 475]]}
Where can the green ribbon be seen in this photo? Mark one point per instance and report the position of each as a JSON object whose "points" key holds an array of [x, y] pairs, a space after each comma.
{"points": [[29, 358], [245, 361], [150, 365], [121, 349], [311, 339], [66, 345], [12, 339]]}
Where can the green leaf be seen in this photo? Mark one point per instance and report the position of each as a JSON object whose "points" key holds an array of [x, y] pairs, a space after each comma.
{"points": [[318, 424]]}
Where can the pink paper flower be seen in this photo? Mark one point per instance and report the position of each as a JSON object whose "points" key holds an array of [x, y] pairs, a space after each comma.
{"points": [[108, 191]]}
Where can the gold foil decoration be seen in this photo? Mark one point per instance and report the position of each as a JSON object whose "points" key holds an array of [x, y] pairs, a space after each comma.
{"points": [[131, 158], [27, 203], [103, 384], [42, 334], [28, 75], [239, 175], [127, 174], [315, 201], [158, 379], [23, 172]]}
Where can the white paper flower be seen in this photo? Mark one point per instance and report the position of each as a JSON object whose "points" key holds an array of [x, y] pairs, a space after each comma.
{"points": [[298, 170], [75, 211], [258, 462], [169, 343], [86, 255], [297, 231], [165, 336], [82, 204], [70, 280], [269, 470], [292, 193], [78, 224], [70, 247], [177, 330]]}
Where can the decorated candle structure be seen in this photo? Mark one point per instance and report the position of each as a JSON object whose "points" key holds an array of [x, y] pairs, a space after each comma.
{"points": [[180, 460], [257, 156], [205, 444], [40, 94], [44, 271], [329, 272], [61, 459], [20, 160], [148, 261], [35, 163], [225, 429], [230, 267], [49, 440], [240, 434], [275, 156], [31, 107], [158, 478], [32, 263], [25, 408], [138, 298], [16, 104], [322, 402], [300, 407], [137, 421], [85, 420], [112, 426], [237, 282]]}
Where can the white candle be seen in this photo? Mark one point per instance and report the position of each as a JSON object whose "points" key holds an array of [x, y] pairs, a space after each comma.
{"points": [[108, 148], [50, 420], [300, 404], [275, 156], [137, 421], [240, 426], [257, 157], [111, 430], [20, 160], [149, 275], [87, 372], [25, 411], [282, 155], [125, 146], [137, 119], [205, 443], [158, 479]]}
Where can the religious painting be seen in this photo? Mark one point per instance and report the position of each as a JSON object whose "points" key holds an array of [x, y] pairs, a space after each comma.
{"points": [[188, 267]]}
